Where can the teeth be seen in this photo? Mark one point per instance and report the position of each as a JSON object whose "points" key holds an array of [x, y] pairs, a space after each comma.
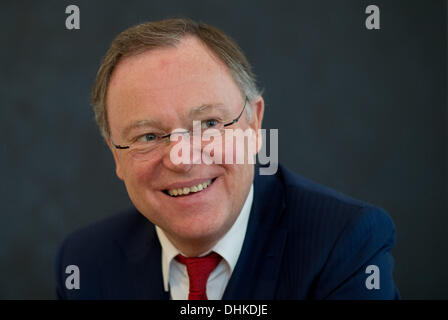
{"points": [[187, 190]]}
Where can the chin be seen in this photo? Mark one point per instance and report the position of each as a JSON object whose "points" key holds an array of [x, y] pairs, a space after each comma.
{"points": [[201, 225]]}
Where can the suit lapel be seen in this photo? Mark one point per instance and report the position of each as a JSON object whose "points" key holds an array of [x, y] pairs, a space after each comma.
{"points": [[256, 272]]}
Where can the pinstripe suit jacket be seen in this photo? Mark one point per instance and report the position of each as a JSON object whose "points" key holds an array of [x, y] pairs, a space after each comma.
{"points": [[303, 241]]}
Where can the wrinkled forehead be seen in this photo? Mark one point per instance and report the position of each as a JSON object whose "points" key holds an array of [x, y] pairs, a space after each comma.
{"points": [[168, 81]]}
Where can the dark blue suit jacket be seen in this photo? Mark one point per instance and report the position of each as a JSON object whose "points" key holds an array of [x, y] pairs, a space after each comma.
{"points": [[303, 241]]}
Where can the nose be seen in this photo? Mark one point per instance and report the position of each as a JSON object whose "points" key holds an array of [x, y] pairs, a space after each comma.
{"points": [[181, 154]]}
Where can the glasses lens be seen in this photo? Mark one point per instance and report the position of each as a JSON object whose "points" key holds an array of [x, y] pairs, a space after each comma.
{"points": [[143, 150]]}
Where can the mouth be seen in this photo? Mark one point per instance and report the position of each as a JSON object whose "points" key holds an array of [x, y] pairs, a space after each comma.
{"points": [[186, 191]]}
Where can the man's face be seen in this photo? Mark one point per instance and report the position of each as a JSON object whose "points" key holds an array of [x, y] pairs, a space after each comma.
{"points": [[164, 86]]}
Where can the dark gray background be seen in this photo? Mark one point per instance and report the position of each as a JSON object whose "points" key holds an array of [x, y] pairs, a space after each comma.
{"points": [[361, 111]]}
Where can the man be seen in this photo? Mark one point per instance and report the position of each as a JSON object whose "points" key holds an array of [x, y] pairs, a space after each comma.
{"points": [[211, 230]]}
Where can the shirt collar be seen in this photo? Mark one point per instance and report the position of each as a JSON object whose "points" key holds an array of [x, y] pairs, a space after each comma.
{"points": [[228, 247]]}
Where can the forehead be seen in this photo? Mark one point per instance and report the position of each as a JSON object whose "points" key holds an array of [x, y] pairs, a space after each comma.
{"points": [[171, 79]]}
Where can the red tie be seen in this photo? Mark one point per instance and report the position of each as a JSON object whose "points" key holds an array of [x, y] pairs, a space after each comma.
{"points": [[199, 270]]}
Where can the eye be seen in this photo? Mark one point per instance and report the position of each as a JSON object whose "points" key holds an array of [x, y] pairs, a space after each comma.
{"points": [[209, 123], [148, 137]]}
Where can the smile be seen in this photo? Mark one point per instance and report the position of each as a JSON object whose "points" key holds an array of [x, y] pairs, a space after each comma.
{"points": [[183, 191]]}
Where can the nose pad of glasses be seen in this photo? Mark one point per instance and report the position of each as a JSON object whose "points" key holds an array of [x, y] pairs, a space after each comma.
{"points": [[179, 133], [180, 150]]}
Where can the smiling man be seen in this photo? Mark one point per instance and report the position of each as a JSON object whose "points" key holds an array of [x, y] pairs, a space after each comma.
{"points": [[211, 229]]}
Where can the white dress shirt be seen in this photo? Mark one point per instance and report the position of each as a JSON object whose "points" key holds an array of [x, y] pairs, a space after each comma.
{"points": [[175, 276]]}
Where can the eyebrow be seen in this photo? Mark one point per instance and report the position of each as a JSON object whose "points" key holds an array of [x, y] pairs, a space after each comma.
{"points": [[139, 124], [207, 108], [195, 111]]}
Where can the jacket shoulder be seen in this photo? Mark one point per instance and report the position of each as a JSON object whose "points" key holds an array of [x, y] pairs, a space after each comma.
{"points": [[333, 237], [103, 233], [308, 199], [94, 248]]}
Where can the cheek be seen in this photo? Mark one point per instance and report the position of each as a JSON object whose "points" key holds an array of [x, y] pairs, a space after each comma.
{"points": [[138, 173], [233, 147], [239, 148]]}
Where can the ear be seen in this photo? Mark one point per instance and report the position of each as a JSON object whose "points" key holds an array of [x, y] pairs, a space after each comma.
{"points": [[257, 113], [118, 170], [257, 119]]}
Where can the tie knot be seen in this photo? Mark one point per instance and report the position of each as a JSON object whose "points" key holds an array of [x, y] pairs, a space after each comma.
{"points": [[199, 269]]}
